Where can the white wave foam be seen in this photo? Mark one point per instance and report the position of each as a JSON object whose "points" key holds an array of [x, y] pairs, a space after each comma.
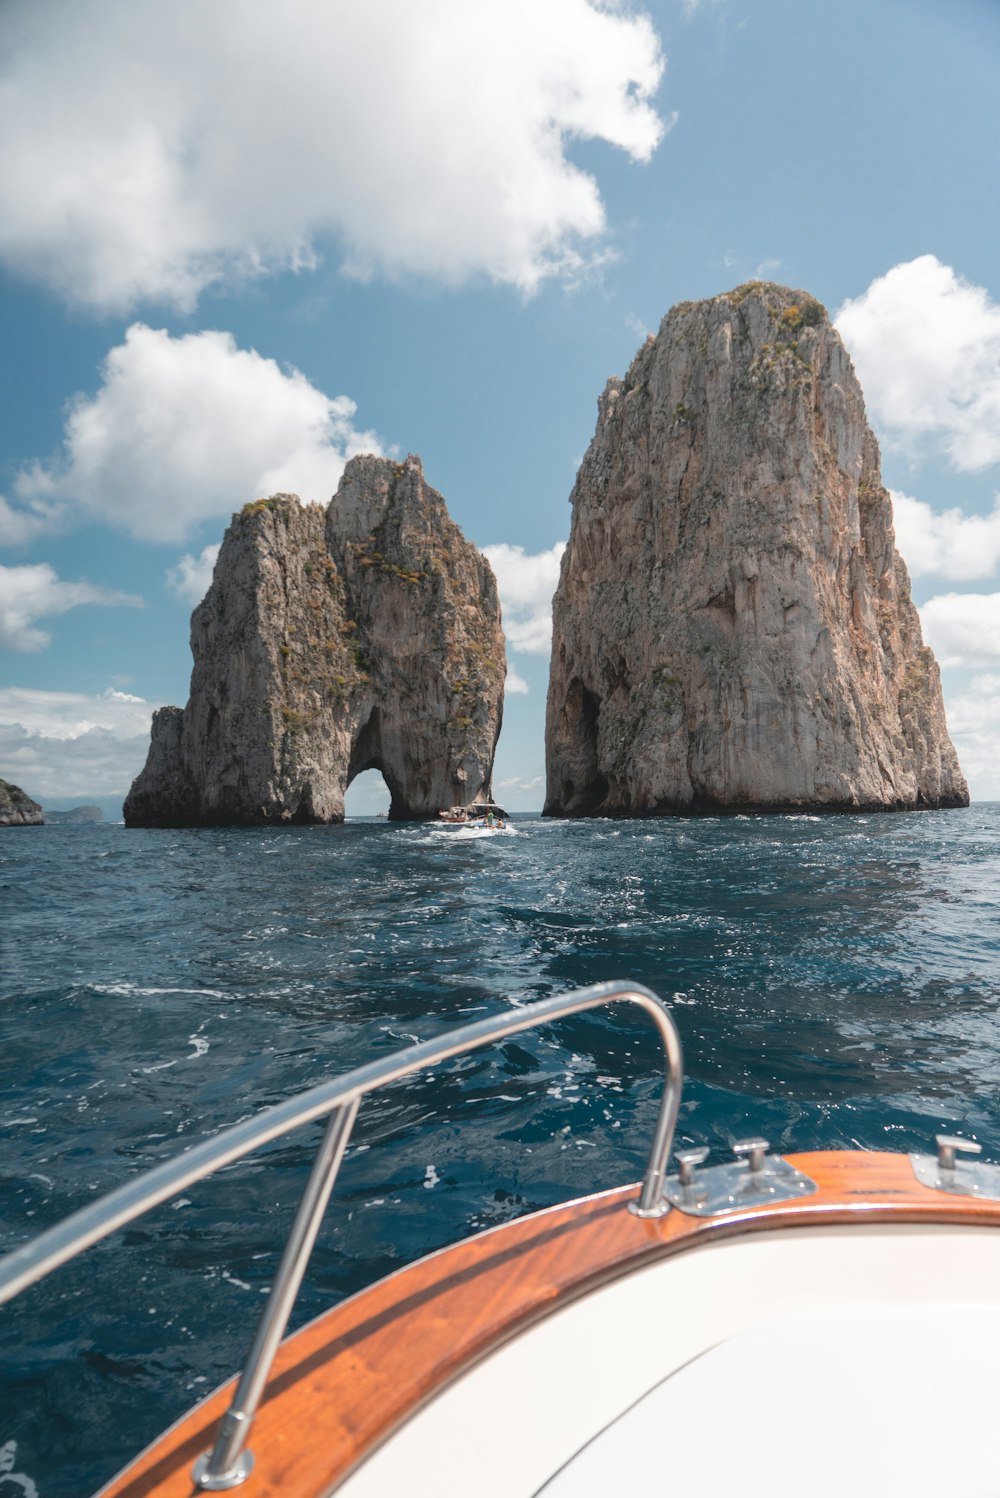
{"points": [[456, 834], [135, 990], [8, 1456]]}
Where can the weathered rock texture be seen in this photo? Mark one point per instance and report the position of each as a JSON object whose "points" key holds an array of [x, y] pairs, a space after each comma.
{"points": [[332, 641], [17, 809], [733, 625]]}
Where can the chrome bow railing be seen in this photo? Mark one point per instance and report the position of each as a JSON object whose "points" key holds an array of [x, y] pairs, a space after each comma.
{"points": [[229, 1462]]}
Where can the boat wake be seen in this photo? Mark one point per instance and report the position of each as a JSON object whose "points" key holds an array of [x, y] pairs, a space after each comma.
{"points": [[452, 833]]}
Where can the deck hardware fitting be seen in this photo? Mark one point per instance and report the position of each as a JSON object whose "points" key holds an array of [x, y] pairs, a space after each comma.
{"points": [[752, 1180], [945, 1172], [948, 1145], [687, 1161], [755, 1151], [235, 1426]]}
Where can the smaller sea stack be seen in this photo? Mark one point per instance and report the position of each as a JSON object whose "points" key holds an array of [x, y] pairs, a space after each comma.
{"points": [[365, 635]]}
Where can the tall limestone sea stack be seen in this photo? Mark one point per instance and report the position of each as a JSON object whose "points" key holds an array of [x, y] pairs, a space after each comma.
{"points": [[733, 625], [361, 636]]}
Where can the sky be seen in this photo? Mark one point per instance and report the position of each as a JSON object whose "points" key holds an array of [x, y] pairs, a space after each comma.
{"points": [[240, 243]]}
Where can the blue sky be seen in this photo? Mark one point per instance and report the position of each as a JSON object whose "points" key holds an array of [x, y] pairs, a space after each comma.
{"points": [[238, 244]]}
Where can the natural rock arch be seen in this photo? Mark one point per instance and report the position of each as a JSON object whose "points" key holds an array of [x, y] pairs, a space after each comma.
{"points": [[364, 635]]}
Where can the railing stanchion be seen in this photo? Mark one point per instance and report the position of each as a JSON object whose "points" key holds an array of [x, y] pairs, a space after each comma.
{"points": [[652, 1201], [229, 1462]]}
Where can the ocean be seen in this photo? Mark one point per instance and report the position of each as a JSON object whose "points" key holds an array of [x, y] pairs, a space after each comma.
{"points": [[835, 981]]}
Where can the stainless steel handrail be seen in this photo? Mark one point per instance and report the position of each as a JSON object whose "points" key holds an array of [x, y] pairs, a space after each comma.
{"points": [[229, 1462]]}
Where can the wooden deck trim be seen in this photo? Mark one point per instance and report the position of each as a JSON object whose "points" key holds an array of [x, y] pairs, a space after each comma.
{"points": [[346, 1381]]}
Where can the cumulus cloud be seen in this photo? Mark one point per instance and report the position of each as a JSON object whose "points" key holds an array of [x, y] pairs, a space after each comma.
{"points": [[163, 148], [189, 580], [946, 543], [521, 792], [515, 683], [926, 344], [184, 430], [974, 726], [28, 594], [36, 514], [963, 629], [71, 744], [527, 582]]}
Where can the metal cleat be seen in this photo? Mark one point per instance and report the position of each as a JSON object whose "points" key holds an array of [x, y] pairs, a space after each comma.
{"points": [[946, 1172], [754, 1179]]}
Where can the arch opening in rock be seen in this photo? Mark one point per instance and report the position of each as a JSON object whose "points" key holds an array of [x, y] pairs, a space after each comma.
{"points": [[367, 795]]}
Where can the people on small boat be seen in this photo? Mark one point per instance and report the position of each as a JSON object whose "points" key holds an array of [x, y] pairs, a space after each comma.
{"points": [[454, 814], [477, 815]]}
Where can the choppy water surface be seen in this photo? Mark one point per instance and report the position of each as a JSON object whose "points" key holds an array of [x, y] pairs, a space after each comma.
{"points": [[835, 982]]}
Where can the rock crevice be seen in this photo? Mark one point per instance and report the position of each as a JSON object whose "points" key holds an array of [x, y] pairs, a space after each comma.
{"points": [[733, 626], [362, 636]]}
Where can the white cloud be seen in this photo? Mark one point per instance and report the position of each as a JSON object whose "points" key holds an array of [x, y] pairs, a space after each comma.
{"points": [[188, 429], [36, 514], [974, 726], [162, 148], [926, 345], [690, 8], [527, 583], [189, 580], [946, 543], [515, 682], [963, 629], [28, 594], [522, 783], [69, 715], [71, 744]]}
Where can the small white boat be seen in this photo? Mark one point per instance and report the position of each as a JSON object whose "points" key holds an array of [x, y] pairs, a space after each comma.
{"points": [[809, 1324], [482, 816]]}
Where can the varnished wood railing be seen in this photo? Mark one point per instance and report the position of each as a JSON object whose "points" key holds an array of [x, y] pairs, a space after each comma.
{"points": [[344, 1383]]}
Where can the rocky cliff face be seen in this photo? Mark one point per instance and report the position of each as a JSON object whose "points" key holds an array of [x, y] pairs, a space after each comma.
{"points": [[733, 625], [17, 809], [363, 636]]}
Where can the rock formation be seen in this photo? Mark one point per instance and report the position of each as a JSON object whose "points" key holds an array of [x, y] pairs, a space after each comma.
{"points": [[332, 641], [76, 816], [733, 625], [17, 809]]}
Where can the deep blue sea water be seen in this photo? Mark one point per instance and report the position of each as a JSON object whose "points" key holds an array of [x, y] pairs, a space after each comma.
{"points": [[835, 981]]}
